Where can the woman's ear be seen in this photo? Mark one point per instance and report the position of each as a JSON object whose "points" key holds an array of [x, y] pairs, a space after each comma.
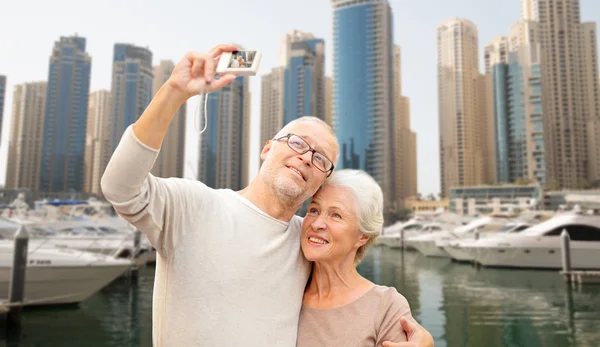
{"points": [[362, 240]]}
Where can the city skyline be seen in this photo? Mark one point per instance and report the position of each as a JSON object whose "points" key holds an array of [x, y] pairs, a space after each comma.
{"points": [[295, 88], [418, 70], [223, 162], [171, 158]]}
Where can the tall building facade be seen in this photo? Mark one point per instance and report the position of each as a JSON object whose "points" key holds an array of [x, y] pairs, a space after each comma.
{"points": [[271, 104], [2, 94], [516, 73], [26, 136], [98, 140], [405, 150], [328, 101], [495, 55], [569, 68], [171, 158], [592, 99], [304, 80], [461, 102], [131, 87], [224, 146], [66, 116], [295, 88], [363, 90]]}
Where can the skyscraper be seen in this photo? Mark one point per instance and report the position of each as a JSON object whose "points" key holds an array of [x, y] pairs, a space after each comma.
{"points": [[98, 140], [363, 89], [224, 146], [495, 58], [26, 136], [569, 68], [405, 150], [271, 104], [2, 93], [296, 88], [460, 105], [304, 80], [328, 100], [66, 116], [131, 87], [514, 66], [171, 159]]}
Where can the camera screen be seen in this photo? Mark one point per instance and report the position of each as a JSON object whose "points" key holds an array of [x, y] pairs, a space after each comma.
{"points": [[241, 59]]}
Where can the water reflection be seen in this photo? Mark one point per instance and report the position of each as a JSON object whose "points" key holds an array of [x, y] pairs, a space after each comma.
{"points": [[465, 306], [460, 305], [119, 315]]}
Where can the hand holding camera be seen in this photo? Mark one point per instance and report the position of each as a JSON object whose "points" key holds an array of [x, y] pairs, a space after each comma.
{"points": [[195, 72]]}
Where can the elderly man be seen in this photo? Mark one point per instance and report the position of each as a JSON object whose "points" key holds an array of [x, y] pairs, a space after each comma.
{"points": [[229, 268]]}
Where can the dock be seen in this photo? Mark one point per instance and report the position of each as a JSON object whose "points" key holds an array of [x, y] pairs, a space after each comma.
{"points": [[570, 275], [3, 308], [582, 277]]}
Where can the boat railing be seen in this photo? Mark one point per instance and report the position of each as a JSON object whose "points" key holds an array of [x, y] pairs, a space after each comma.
{"points": [[39, 246]]}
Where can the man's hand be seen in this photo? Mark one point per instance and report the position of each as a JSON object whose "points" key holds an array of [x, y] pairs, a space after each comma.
{"points": [[194, 74], [416, 334]]}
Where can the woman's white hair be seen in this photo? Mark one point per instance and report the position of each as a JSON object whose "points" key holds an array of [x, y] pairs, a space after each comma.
{"points": [[369, 203]]}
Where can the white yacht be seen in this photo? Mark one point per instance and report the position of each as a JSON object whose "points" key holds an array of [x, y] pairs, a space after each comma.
{"points": [[462, 249], [540, 245], [410, 230], [391, 235], [60, 276], [83, 235], [426, 244], [427, 228]]}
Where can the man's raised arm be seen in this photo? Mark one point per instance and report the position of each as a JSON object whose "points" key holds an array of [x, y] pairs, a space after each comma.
{"points": [[152, 204]]}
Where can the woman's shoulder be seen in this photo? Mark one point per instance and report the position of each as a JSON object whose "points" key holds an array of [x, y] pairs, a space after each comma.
{"points": [[392, 306], [391, 300], [386, 292]]}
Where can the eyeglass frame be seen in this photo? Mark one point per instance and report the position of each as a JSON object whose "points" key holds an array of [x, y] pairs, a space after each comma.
{"points": [[310, 149]]}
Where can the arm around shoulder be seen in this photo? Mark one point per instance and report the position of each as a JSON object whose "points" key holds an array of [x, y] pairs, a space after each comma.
{"points": [[393, 306]]}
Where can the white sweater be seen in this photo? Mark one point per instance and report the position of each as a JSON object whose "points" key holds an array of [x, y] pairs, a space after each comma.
{"points": [[227, 274]]}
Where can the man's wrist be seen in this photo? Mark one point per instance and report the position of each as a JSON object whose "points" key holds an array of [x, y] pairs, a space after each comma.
{"points": [[173, 94]]}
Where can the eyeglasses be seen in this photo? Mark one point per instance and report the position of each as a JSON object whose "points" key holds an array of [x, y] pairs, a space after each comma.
{"points": [[300, 146]]}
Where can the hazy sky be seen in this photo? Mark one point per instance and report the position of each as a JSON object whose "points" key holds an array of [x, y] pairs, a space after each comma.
{"points": [[170, 28]]}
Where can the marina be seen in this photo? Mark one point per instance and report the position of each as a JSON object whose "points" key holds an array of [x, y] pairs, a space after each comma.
{"points": [[460, 305], [528, 279]]}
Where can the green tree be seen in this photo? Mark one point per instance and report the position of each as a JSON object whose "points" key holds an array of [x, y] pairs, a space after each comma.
{"points": [[583, 184], [551, 184], [522, 181], [389, 218], [403, 214]]}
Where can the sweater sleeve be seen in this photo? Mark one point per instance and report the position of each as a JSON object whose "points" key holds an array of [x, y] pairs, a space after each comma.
{"points": [[392, 306], [153, 205]]}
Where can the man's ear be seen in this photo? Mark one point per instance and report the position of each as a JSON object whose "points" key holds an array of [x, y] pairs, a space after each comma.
{"points": [[266, 149]]}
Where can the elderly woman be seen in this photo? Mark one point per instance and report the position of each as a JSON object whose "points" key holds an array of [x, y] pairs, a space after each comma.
{"points": [[340, 307]]}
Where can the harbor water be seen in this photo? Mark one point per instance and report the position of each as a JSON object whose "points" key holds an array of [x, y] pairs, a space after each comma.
{"points": [[462, 306]]}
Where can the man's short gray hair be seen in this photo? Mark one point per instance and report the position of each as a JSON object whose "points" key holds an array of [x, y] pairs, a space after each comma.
{"points": [[285, 130], [368, 198]]}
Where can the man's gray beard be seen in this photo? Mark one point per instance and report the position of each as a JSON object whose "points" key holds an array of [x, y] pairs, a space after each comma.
{"points": [[288, 195]]}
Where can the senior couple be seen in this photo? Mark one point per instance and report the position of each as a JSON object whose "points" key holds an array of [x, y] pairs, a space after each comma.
{"points": [[240, 268]]}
